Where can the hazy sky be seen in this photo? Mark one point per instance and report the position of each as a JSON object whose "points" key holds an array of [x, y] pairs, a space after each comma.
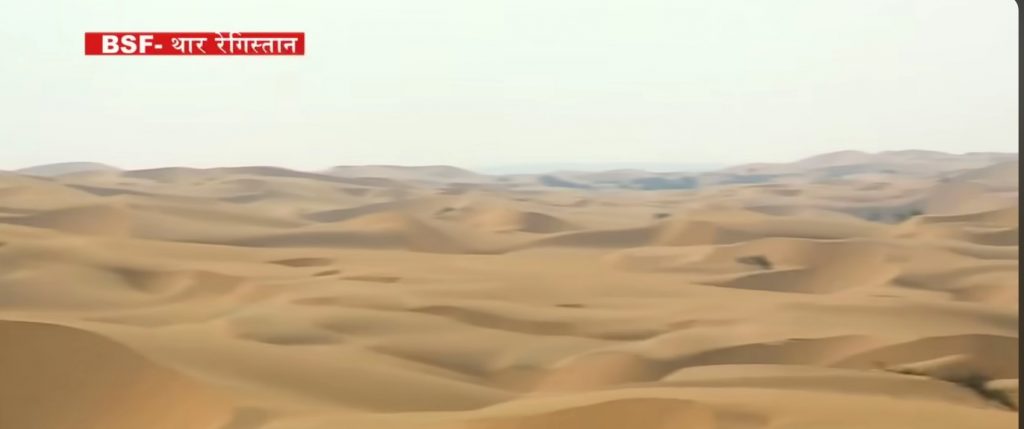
{"points": [[491, 82]]}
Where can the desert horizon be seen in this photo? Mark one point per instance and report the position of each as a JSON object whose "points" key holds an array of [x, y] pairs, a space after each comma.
{"points": [[525, 168], [844, 290]]}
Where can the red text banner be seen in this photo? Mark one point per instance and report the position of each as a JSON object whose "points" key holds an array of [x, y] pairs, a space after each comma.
{"points": [[210, 43]]}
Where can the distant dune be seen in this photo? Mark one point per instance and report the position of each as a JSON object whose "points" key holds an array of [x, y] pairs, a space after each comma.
{"points": [[917, 162], [541, 168], [435, 173], [846, 290], [1002, 175], [50, 170]]}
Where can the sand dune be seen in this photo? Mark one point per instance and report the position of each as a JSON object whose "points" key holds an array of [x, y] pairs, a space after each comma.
{"points": [[719, 227], [1002, 175], [97, 219], [73, 378], [849, 290], [501, 219]]}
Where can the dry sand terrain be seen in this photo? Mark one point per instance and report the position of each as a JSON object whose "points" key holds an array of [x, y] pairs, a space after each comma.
{"points": [[849, 290]]}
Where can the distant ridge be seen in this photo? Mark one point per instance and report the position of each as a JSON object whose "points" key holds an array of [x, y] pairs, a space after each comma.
{"points": [[62, 168], [642, 176], [924, 161], [583, 167], [419, 172]]}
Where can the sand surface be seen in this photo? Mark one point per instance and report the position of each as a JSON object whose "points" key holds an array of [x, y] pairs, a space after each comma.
{"points": [[849, 290]]}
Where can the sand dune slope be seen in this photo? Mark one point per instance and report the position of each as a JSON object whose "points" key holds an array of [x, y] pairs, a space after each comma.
{"points": [[69, 378]]}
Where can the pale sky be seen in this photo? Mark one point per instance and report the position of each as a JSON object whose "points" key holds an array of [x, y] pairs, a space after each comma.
{"points": [[492, 82]]}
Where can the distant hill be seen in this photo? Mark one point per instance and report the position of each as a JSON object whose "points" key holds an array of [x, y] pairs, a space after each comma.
{"points": [[906, 162], [429, 173], [993, 169], [60, 169], [990, 167], [546, 168]]}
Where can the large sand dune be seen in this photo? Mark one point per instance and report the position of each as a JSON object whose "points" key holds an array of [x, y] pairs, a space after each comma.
{"points": [[848, 290]]}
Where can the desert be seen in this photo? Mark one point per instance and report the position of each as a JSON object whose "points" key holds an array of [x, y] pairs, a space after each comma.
{"points": [[845, 290]]}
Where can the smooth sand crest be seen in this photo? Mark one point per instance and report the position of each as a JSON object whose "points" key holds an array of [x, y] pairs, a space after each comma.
{"points": [[850, 290]]}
